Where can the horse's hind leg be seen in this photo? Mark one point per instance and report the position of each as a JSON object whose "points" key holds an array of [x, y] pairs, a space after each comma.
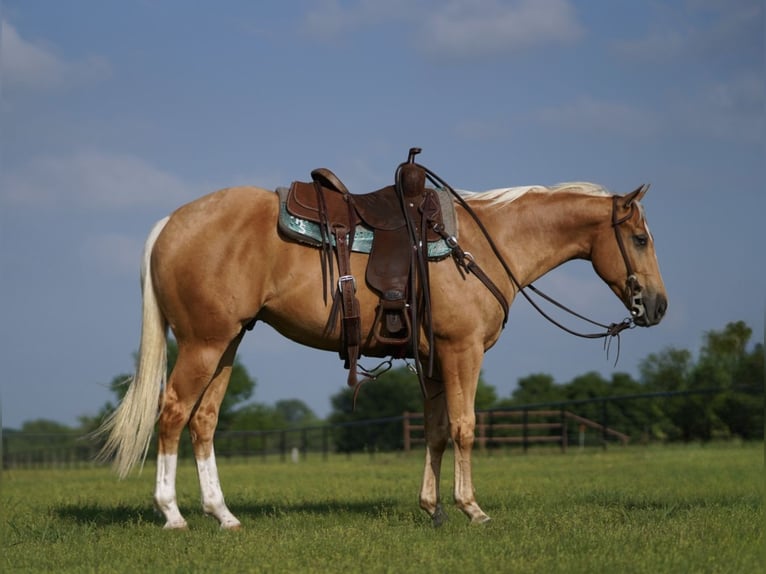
{"points": [[436, 433], [194, 369], [202, 428]]}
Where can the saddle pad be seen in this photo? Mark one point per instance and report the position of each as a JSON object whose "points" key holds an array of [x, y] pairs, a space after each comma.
{"points": [[307, 232]]}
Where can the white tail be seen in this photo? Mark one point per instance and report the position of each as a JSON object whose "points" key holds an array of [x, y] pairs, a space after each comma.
{"points": [[131, 425]]}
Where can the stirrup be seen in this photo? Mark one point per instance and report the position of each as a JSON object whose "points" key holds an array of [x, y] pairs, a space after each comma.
{"points": [[383, 314]]}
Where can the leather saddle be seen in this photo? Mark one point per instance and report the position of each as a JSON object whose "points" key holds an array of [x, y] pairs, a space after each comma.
{"points": [[402, 217]]}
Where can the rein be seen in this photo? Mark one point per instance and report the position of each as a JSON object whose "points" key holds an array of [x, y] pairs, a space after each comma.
{"points": [[466, 261]]}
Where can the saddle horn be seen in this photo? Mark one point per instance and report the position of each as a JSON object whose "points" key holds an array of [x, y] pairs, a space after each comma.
{"points": [[412, 177]]}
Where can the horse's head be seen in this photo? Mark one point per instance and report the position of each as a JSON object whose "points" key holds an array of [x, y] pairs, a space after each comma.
{"points": [[623, 256]]}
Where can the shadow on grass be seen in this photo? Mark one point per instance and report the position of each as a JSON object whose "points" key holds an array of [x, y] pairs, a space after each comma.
{"points": [[103, 515]]}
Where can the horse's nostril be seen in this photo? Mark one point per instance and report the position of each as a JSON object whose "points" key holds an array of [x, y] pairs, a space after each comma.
{"points": [[662, 306]]}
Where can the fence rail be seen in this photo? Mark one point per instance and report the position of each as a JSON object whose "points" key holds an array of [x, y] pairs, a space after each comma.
{"points": [[583, 422], [492, 428]]}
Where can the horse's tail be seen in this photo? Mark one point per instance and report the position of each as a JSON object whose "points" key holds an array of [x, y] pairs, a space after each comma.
{"points": [[131, 425]]}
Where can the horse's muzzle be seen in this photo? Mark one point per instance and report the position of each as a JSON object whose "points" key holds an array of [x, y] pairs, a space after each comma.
{"points": [[648, 310]]}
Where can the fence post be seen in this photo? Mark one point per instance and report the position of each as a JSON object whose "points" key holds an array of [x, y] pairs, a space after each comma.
{"points": [[406, 428], [489, 432], [481, 436], [564, 437], [525, 429], [604, 423], [264, 446], [283, 446]]}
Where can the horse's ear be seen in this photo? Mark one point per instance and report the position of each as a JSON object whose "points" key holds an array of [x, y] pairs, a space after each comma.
{"points": [[636, 195]]}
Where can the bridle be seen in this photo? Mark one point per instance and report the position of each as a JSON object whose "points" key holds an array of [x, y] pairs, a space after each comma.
{"points": [[632, 285], [466, 262]]}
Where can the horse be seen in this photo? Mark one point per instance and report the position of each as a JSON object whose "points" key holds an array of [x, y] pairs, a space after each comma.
{"points": [[218, 264]]}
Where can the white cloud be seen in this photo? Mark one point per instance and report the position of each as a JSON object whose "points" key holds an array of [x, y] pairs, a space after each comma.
{"points": [[600, 116], [92, 180], [31, 66], [469, 28], [459, 28]]}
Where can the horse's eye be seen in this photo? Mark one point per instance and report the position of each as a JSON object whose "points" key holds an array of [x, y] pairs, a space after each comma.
{"points": [[641, 240]]}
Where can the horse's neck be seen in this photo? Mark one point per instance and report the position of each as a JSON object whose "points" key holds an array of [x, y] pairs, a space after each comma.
{"points": [[539, 231]]}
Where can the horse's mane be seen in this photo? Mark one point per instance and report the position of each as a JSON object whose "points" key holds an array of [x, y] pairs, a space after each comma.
{"points": [[509, 194]]}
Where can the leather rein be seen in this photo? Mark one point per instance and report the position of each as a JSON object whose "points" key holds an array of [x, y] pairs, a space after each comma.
{"points": [[467, 262]]}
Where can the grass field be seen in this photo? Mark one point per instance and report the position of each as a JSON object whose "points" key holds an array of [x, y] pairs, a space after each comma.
{"points": [[674, 509]]}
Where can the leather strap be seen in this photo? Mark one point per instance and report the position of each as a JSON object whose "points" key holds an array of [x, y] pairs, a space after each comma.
{"points": [[468, 263], [346, 292]]}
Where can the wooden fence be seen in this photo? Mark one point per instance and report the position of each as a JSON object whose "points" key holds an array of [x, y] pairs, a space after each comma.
{"points": [[524, 427]]}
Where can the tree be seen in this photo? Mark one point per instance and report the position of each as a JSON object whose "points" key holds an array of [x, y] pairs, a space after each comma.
{"points": [[743, 411], [295, 413], [668, 370], [632, 417], [241, 388], [724, 363], [45, 426], [288, 413], [389, 395], [257, 417], [532, 389]]}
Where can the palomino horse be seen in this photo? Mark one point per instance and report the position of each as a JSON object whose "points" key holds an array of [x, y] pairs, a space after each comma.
{"points": [[218, 264]]}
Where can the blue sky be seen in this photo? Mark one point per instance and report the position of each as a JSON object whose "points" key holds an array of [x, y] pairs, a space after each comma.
{"points": [[115, 113]]}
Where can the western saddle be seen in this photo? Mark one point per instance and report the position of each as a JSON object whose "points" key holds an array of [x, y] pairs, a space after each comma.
{"points": [[404, 218]]}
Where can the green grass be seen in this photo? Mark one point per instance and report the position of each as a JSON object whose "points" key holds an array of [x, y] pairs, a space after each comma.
{"points": [[674, 509]]}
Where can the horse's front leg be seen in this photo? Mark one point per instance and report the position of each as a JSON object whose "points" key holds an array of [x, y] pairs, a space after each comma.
{"points": [[436, 434], [461, 376]]}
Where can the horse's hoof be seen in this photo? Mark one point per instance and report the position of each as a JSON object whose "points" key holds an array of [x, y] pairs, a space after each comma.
{"points": [[439, 518], [231, 525], [483, 519], [178, 525]]}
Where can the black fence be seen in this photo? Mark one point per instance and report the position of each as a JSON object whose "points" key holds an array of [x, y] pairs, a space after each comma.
{"points": [[593, 422]]}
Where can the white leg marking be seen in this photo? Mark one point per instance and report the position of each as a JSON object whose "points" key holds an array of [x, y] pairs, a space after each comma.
{"points": [[212, 495], [165, 491]]}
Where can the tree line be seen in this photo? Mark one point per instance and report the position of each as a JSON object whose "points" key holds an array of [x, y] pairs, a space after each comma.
{"points": [[683, 408]]}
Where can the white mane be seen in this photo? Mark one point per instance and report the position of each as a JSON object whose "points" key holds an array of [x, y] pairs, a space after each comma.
{"points": [[508, 194]]}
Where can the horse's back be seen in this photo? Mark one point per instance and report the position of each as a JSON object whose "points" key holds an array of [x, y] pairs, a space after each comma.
{"points": [[231, 208]]}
